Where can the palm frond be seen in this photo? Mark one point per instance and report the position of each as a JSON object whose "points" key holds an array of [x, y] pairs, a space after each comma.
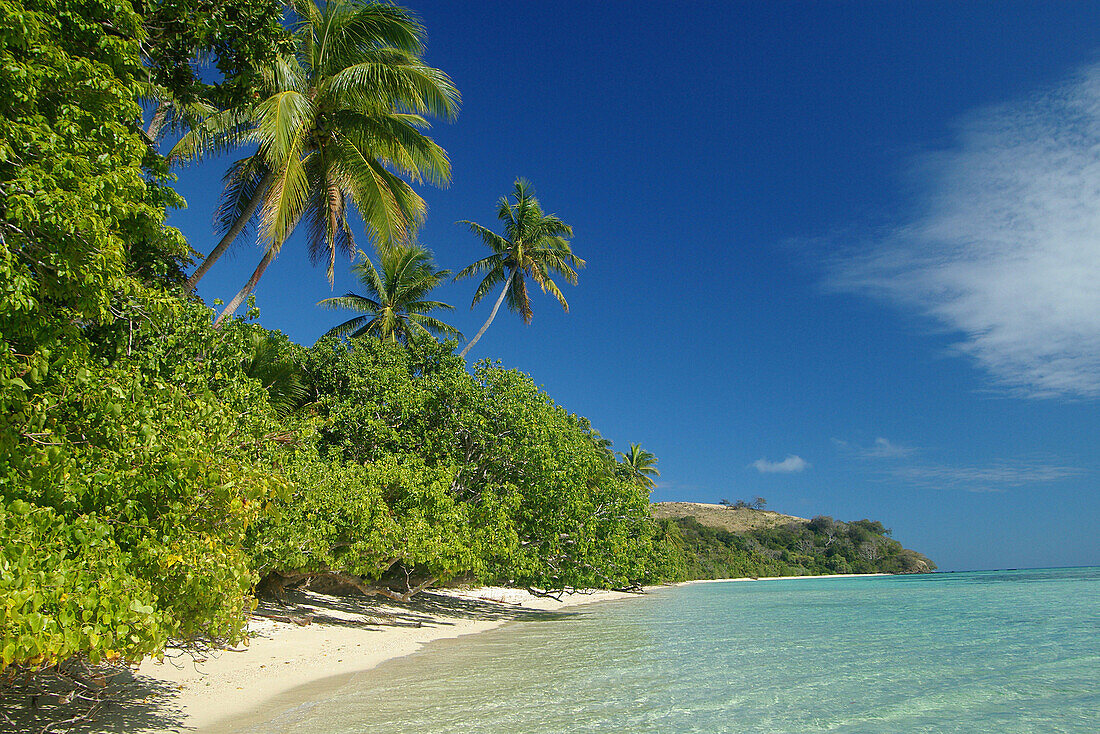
{"points": [[534, 244], [483, 265], [492, 240], [214, 134], [373, 197], [397, 310], [241, 183], [285, 201], [518, 299], [350, 301], [280, 376], [435, 326], [283, 121], [326, 211], [397, 141], [351, 326], [398, 80], [422, 307]]}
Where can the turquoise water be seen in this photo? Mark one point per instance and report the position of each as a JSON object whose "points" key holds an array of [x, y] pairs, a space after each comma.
{"points": [[1015, 651]]}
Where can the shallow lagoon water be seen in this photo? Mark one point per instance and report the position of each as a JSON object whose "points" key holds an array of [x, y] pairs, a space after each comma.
{"points": [[995, 651]]}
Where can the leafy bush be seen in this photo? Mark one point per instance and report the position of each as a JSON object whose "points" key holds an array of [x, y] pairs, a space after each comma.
{"points": [[425, 471], [134, 451]]}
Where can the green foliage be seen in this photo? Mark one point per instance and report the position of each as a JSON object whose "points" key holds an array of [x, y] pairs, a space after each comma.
{"points": [[338, 122], [152, 468], [134, 451], [820, 546], [395, 307], [273, 362], [641, 465], [444, 474], [236, 35], [709, 553], [362, 519], [65, 590]]}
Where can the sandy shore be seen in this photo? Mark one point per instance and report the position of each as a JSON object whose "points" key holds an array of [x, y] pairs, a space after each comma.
{"points": [[206, 692], [344, 638]]}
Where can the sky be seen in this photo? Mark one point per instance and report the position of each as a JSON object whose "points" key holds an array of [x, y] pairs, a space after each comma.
{"points": [[843, 256]]}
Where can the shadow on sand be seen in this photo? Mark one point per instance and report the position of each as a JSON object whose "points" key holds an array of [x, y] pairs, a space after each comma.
{"points": [[114, 700]]}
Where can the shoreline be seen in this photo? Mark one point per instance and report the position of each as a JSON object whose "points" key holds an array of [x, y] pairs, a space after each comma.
{"points": [[287, 664], [783, 578]]}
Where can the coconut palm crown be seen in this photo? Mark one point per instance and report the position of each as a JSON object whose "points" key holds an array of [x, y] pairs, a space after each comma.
{"points": [[340, 125], [533, 246], [641, 464], [394, 307]]}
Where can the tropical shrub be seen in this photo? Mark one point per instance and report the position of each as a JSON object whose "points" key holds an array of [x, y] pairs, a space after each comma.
{"points": [[134, 451], [424, 471]]}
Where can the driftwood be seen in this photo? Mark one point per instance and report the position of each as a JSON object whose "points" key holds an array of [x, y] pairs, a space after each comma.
{"points": [[368, 590], [276, 582], [290, 618]]}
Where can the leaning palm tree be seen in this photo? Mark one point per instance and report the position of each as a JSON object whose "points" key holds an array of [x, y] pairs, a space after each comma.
{"points": [[641, 464], [340, 124], [394, 307], [533, 246]]}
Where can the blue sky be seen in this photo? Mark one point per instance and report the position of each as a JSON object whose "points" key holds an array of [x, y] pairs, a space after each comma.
{"points": [[840, 255]]}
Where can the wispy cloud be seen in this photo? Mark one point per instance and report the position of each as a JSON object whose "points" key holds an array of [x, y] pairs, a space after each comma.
{"points": [[882, 448], [791, 465], [994, 477], [1006, 251]]}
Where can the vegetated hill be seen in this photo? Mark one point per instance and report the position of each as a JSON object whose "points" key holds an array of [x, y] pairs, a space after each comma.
{"points": [[716, 541], [735, 520]]}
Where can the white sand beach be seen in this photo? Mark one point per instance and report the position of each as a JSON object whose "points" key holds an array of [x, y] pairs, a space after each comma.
{"points": [[288, 662], [346, 635]]}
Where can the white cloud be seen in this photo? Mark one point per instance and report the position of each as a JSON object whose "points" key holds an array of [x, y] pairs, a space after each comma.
{"points": [[791, 465], [1007, 249], [994, 477], [884, 448]]}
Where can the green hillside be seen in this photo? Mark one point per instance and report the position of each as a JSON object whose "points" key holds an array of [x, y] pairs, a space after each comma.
{"points": [[718, 541]]}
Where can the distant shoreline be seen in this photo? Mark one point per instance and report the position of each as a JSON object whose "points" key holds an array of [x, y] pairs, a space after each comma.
{"points": [[782, 578]]}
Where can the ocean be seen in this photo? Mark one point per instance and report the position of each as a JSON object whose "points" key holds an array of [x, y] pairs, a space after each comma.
{"points": [[990, 651]]}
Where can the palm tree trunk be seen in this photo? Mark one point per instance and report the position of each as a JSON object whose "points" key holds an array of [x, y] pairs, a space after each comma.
{"points": [[252, 281], [493, 315], [235, 230], [157, 122]]}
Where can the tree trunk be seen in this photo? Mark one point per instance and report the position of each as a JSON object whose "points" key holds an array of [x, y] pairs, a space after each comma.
{"points": [[235, 230], [157, 123], [252, 281], [493, 315]]}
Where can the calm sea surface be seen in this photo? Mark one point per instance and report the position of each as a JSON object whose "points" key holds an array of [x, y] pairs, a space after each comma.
{"points": [[1014, 651]]}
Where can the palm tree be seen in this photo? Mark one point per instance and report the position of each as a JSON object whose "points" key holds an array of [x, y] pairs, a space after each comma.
{"points": [[641, 464], [341, 123], [276, 371], [393, 307], [533, 246]]}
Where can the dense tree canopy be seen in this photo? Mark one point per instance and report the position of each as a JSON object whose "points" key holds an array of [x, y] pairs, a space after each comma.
{"points": [[820, 546], [131, 459]]}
